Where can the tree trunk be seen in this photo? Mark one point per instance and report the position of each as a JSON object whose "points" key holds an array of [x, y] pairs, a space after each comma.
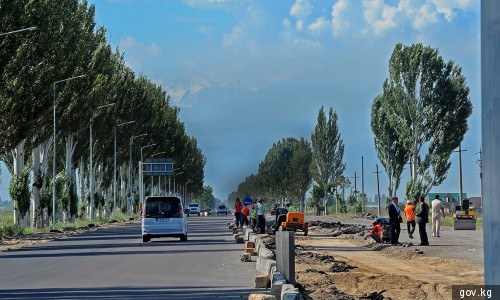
{"points": [[81, 199], [35, 201], [18, 156]]}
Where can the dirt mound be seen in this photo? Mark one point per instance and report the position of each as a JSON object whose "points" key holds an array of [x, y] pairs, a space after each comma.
{"points": [[336, 228]]}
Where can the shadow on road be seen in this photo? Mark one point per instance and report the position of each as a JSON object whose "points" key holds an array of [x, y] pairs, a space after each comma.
{"points": [[193, 292]]}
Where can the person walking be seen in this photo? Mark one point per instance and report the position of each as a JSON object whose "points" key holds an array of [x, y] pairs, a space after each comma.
{"points": [[261, 215], [395, 220], [410, 218], [238, 206], [437, 209], [422, 220]]}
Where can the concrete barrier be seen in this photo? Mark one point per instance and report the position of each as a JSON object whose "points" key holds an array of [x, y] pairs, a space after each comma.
{"points": [[289, 292], [266, 253], [262, 281]]}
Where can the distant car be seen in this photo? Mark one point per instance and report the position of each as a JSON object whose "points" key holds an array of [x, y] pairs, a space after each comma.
{"points": [[222, 209], [163, 217], [193, 209], [206, 212]]}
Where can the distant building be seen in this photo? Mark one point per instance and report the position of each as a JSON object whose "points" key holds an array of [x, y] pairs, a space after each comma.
{"points": [[475, 201], [450, 200]]}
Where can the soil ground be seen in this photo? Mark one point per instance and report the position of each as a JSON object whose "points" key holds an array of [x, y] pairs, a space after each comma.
{"points": [[380, 271]]}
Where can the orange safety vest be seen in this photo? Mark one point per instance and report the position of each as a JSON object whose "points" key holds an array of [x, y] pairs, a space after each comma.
{"points": [[245, 211], [410, 212], [377, 230]]}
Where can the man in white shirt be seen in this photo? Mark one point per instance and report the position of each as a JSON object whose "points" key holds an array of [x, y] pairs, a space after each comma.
{"points": [[437, 209], [261, 215]]}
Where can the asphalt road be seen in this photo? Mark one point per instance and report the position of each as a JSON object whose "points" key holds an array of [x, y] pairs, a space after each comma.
{"points": [[114, 263]]}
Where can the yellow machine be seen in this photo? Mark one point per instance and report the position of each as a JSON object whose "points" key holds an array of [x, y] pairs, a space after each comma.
{"points": [[295, 221], [464, 217]]}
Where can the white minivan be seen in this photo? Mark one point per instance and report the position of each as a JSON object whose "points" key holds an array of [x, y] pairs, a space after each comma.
{"points": [[163, 216]]}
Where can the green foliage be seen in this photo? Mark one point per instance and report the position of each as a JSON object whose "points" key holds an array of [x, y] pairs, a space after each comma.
{"points": [[11, 230], [390, 151], [19, 192], [285, 168], [426, 103], [66, 44], [327, 151]]}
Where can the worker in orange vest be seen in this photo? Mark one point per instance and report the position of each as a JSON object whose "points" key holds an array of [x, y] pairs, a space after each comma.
{"points": [[376, 232], [245, 212], [410, 218]]}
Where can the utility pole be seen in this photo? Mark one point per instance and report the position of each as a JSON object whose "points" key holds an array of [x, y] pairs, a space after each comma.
{"points": [[490, 93], [460, 172], [362, 186], [355, 188], [378, 191], [480, 161]]}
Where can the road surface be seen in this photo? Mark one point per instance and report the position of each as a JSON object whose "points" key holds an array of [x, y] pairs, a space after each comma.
{"points": [[114, 263]]}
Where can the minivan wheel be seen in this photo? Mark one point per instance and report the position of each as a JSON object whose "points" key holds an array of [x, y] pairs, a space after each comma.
{"points": [[145, 239], [198, 214], [184, 237]]}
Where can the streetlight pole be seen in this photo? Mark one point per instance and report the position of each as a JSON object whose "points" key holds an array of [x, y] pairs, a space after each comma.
{"points": [[130, 175], [174, 181], [20, 30], [141, 193], [362, 186], [92, 168], [185, 190], [54, 158], [159, 176], [114, 171]]}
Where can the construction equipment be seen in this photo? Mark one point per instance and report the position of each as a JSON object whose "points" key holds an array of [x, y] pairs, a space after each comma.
{"points": [[464, 217], [295, 221]]}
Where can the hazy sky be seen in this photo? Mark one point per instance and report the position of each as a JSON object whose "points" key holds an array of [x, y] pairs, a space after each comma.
{"points": [[247, 73]]}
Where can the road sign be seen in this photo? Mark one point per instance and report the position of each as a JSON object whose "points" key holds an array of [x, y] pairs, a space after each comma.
{"points": [[158, 166], [247, 201]]}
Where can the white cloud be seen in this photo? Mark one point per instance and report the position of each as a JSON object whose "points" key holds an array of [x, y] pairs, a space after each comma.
{"points": [[424, 17], [318, 26], [137, 53], [338, 24], [447, 7], [301, 9], [234, 37], [287, 23], [299, 25]]}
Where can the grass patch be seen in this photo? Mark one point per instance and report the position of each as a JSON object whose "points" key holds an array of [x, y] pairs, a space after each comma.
{"points": [[8, 229]]}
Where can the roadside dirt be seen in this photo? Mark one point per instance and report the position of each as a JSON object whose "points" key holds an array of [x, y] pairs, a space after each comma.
{"points": [[332, 266]]}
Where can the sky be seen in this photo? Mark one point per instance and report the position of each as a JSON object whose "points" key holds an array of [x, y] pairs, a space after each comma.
{"points": [[248, 73]]}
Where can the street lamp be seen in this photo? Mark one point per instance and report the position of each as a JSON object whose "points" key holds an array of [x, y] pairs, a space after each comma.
{"points": [[185, 190], [159, 176], [174, 181], [150, 145], [114, 171], [54, 158], [20, 30], [130, 174], [141, 183], [91, 166]]}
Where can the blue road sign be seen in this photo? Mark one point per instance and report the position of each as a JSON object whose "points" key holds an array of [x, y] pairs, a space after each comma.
{"points": [[158, 166]]}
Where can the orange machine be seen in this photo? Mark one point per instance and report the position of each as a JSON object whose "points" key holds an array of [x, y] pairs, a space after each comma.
{"points": [[295, 221]]}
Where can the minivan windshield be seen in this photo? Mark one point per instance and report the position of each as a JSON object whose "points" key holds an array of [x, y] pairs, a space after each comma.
{"points": [[222, 206], [193, 205], [167, 207]]}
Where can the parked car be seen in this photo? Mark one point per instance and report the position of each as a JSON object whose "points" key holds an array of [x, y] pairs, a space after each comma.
{"points": [[222, 209], [163, 217], [194, 209]]}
